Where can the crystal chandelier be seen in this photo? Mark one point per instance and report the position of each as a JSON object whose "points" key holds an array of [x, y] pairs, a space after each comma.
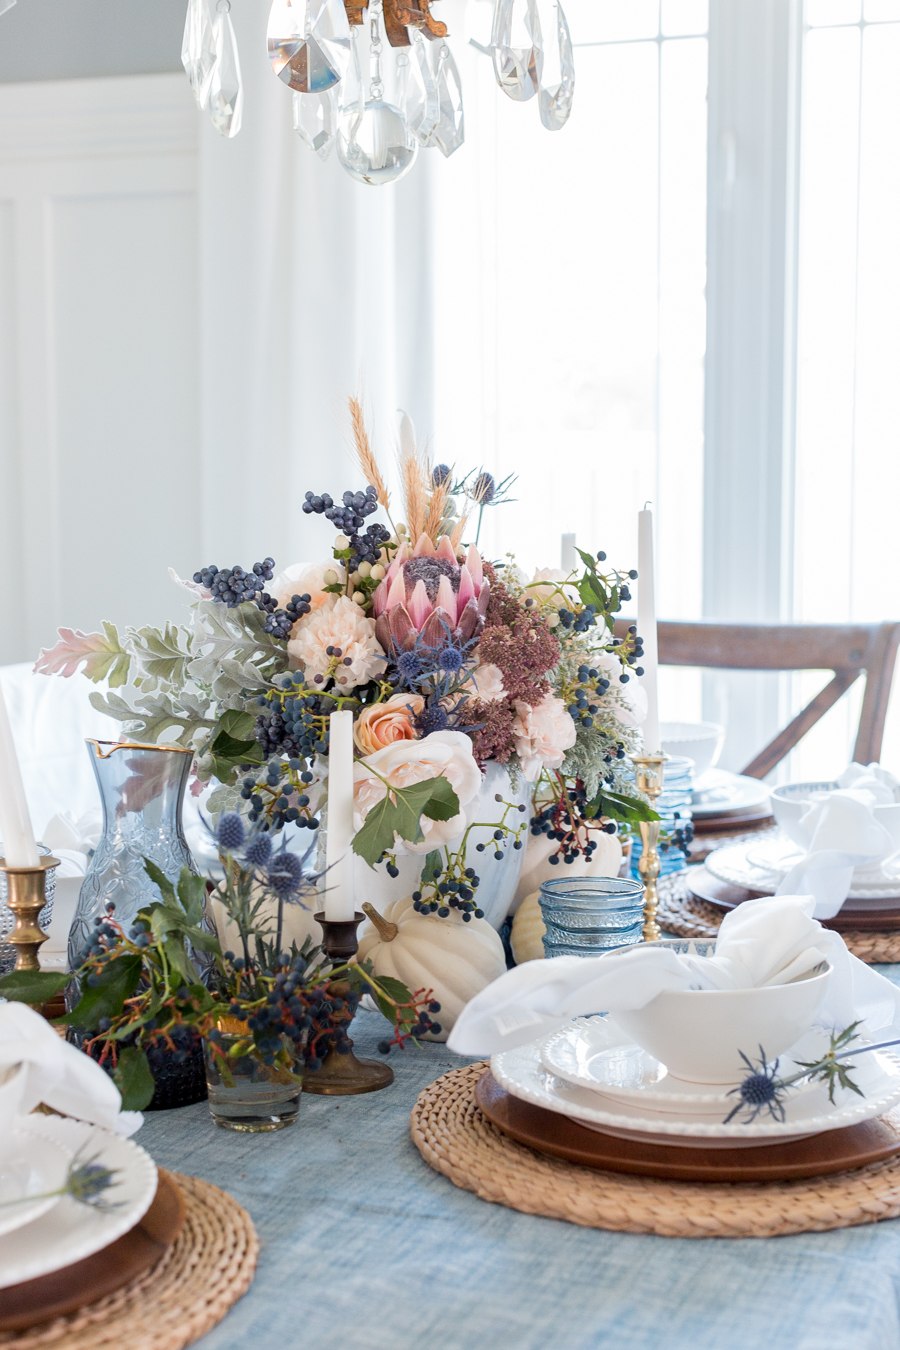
{"points": [[378, 104]]}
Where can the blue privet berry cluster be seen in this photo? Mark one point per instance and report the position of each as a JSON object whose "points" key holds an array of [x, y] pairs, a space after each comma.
{"points": [[233, 586], [424, 1024], [295, 718], [566, 820], [592, 684], [315, 1019], [350, 518], [453, 886], [279, 622], [96, 945], [277, 797]]}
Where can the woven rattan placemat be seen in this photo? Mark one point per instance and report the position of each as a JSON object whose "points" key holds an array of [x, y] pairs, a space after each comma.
{"points": [[455, 1138], [206, 1270], [684, 915]]}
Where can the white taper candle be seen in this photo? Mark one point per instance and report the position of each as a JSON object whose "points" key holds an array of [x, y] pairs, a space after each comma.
{"points": [[568, 558], [340, 902], [646, 626], [19, 847]]}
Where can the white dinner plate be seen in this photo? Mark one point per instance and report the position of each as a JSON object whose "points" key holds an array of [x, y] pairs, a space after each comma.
{"points": [[718, 793], [522, 1074], [72, 1230], [595, 1053], [762, 864], [29, 1168]]}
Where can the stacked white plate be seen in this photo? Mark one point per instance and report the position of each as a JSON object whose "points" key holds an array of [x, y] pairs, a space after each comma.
{"points": [[39, 1236], [593, 1073]]}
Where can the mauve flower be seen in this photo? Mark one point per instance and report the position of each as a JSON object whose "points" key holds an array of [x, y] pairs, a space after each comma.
{"points": [[430, 593], [447, 753], [542, 735], [305, 579], [382, 724], [340, 623]]}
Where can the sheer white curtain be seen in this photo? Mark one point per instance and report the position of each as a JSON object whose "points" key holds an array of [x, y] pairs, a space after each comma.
{"points": [[310, 284]]}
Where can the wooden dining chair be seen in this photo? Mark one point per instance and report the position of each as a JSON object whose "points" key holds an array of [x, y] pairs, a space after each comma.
{"points": [[847, 649]]}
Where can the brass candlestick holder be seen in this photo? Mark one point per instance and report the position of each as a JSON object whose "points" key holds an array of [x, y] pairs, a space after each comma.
{"points": [[345, 1075], [648, 773], [25, 898]]}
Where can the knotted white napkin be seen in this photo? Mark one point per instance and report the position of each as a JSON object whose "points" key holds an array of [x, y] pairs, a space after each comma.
{"points": [[37, 1065], [840, 833], [762, 942]]}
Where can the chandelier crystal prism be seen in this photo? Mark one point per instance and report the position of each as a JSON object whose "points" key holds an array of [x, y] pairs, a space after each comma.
{"points": [[379, 105]]}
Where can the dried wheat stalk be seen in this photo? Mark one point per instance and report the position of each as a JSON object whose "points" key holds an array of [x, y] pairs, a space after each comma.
{"points": [[364, 453]]}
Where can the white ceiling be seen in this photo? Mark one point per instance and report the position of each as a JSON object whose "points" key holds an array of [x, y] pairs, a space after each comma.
{"points": [[76, 39]]}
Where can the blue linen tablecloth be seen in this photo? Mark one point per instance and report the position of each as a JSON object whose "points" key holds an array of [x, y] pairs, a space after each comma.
{"points": [[364, 1245]]}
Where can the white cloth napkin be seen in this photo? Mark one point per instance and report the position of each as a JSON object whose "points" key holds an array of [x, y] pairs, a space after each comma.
{"points": [[37, 1065], [762, 942], [842, 833]]}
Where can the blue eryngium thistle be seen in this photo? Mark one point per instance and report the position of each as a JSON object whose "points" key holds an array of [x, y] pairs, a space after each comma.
{"points": [[230, 833], [762, 1089], [285, 874], [259, 850], [86, 1182]]}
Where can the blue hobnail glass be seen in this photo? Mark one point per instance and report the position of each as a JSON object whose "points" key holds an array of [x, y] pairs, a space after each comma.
{"points": [[585, 916]]}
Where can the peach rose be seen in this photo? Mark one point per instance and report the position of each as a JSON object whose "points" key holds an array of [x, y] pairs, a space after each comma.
{"points": [[305, 579], [382, 724], [443, 753]]}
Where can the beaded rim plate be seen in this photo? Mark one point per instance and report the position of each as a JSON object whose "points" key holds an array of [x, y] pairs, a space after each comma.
{"points": [[30, 1169], [72, 1230], [595, 1053], [761, 865], [522, 1074]]}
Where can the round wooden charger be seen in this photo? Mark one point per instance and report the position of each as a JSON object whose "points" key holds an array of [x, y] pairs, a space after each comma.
{"points": [[169, 1303], [684, 914], [62, 1291], [704, 886], [548, 1132], [456, 1138]]}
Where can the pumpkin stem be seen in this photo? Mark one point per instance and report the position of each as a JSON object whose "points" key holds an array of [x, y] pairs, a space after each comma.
{"points": [[386, 931]]}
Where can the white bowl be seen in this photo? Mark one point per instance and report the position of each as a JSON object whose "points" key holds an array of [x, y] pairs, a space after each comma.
{"points": [[699, 741], [791, 801], [698, 1033]]}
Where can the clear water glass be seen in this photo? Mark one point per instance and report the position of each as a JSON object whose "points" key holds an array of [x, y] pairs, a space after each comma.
{"points": [[584, 916], [259, 1098]]}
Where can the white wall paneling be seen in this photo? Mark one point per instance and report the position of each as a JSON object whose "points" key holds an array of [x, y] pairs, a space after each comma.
{"points": [[99, 360]]}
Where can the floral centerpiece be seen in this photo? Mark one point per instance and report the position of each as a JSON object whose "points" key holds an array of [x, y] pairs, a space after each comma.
{"points": [[462, 674]]}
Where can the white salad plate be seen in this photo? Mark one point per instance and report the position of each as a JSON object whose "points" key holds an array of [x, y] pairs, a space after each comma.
{"points": [[761, 866], [30, 1170], [718, 793], [522, 1073], [595, 1053], [72, 1230]]}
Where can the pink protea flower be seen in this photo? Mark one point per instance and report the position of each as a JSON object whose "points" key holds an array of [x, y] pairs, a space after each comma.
{"points": [[429, 592]]}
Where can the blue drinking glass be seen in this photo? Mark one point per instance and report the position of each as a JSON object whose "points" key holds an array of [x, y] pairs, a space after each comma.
{"points": [[585, 916]]}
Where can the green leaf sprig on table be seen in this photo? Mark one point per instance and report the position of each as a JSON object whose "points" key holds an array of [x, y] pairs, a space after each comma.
{"points": [[140, 991]]}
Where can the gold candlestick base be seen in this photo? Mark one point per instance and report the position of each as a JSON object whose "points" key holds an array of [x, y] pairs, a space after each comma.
{"points": [[345, 1075], [648, 773], [25, 898]]}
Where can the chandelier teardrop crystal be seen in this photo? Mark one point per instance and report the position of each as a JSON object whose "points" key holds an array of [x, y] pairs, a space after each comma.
{"points": [[378, 105]]}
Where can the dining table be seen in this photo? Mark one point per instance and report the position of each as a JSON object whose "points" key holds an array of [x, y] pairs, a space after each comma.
{"points": [[364, 1245]]}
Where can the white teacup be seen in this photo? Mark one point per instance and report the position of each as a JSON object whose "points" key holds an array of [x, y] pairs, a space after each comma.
{"points": [[698, 1033]]}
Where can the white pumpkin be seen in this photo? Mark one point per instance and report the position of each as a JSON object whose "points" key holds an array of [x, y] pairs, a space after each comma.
{"points": [[537, 868], [527, 936], [456, 960]]}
